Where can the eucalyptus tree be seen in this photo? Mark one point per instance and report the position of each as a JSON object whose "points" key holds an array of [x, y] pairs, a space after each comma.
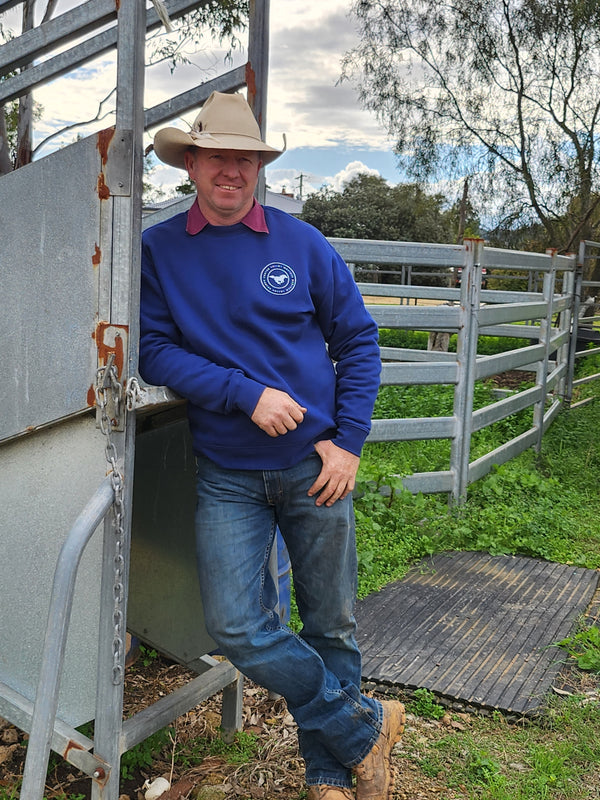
{"points": [[505, 91]]}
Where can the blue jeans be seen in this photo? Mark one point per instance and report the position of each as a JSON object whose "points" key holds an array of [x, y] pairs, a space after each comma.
{"points": [[318, 671]]}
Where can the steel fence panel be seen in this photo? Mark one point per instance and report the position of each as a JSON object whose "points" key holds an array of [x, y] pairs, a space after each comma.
{"points": [[431, 318], [502, 362], [511, 312], [418, 373], [506, 452], [411, 428], [503, 408]]}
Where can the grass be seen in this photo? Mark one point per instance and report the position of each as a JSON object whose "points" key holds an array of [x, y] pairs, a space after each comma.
{"points": [[544, 505], [492, 759]]}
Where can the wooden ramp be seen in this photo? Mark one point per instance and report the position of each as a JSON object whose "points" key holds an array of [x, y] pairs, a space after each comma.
{"points": [[478, 630]]}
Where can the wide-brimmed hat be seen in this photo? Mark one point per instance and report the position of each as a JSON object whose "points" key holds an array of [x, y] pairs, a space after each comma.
{"points": [[226, 122]]}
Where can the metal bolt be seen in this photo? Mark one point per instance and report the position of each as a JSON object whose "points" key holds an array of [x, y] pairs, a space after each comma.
{"points": [[99, 774]]}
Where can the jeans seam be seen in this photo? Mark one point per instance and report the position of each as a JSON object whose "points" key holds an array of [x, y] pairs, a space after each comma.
{"points": [[372, 740], [263, 570]]}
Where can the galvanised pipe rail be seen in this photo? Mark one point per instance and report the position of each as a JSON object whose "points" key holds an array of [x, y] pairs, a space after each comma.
{"points": [[61, 603], [470, 313]]}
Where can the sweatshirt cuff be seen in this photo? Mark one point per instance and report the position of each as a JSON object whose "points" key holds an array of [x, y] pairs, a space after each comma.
{"points": [[351, 438], [246, 394]]}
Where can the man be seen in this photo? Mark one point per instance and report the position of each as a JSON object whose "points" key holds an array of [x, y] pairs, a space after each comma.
{"points": [[253, 317]]}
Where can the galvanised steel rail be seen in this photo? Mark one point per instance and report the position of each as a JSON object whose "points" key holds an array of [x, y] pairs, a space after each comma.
{"points": [[61, 603], [546, 321]]}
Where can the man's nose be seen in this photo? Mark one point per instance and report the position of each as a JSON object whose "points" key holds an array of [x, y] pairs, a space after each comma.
{"points": [[230, 166]]}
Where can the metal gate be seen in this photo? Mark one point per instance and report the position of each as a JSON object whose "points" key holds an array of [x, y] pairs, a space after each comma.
{"points": [[72, 496]]}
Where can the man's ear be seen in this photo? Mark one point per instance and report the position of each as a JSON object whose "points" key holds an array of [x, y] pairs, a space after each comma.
{"points": [[188, 160]]}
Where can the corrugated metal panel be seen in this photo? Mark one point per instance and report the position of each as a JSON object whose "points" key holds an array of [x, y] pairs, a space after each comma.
{"points": [[475, 628]]}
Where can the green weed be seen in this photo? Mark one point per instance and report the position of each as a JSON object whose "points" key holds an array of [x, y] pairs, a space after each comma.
{"points": [[144, 753], [424, 704], [584, 647], [148, 655], [242, 750]]}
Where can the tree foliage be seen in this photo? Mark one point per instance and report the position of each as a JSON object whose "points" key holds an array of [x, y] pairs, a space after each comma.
{"points": [[507, 91], [369, 208]]}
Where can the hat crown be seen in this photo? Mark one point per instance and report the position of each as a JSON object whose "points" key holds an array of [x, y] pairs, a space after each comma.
{"points": [[227, 114], [225, 122]]}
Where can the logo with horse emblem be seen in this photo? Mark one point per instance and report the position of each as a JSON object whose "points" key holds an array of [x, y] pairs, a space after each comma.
{"points": [[278, 278]]}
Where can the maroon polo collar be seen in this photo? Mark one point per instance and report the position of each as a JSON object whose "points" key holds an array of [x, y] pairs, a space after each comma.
{"points": [[254, 219]]}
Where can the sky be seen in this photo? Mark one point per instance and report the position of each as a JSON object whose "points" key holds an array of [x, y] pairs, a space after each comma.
{"points": [[329, 137]]}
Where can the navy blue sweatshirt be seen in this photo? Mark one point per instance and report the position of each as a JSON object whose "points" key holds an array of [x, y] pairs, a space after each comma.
{"points": [[229, 311]]}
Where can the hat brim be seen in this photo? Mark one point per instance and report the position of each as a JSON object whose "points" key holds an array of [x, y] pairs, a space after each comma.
{"points": [[170, 145]]}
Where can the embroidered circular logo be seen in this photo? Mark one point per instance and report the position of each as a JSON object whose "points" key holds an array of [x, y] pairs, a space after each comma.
{"points": [[278, 278]]}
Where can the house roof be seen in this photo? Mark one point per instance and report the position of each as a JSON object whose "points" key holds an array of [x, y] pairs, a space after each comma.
{"points": [[284, 202]]}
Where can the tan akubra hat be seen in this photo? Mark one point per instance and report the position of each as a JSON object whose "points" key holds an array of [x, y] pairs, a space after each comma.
{"points": [[226, 122]]}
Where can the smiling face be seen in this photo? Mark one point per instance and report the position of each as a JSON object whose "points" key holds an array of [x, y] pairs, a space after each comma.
{"points": [[225, 181]]}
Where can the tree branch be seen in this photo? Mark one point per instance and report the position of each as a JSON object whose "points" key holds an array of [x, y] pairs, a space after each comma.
{"points": [[99, 116]]}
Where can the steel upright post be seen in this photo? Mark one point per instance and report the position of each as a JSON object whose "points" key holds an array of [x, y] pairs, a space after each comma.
{"points": [[577, 286], [467, 361], [542, 367], [124, 311]]}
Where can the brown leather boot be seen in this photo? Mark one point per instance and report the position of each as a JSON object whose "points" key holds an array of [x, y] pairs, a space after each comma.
{"points": [[324, 792], [374, 780]]}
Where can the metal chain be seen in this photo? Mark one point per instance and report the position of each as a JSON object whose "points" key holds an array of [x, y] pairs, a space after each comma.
{"points": [[133, 394], [107, 384]]}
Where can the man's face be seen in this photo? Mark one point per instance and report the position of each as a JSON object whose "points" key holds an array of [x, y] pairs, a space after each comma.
{"points": [[225, 181]]}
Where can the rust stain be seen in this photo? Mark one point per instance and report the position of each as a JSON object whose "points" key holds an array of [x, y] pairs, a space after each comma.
{"points": [[105, 349], [250, 81], [71, 745], [91, 397], [104, 140], [97, 257], [103, 190]]}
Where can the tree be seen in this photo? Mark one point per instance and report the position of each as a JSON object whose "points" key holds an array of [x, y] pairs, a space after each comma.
{"points": [[506, 91], [369, 208], [221, 21]]}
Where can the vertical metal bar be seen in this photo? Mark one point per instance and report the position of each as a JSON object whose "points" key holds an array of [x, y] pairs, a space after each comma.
{"points": [[542, 366], [575, 306], [470, 291], [565, 318], [125, 278], [231, 716], [257, 71], [59, 614]]}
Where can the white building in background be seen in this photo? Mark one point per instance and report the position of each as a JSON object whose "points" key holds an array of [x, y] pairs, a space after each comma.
{"points": [[284, 201]]}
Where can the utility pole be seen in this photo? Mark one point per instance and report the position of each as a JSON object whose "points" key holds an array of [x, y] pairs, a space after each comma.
{"points": [[300, 179]]}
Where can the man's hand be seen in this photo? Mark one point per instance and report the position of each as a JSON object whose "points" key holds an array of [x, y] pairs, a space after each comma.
{"points": [[338, 474], [277, 413]]}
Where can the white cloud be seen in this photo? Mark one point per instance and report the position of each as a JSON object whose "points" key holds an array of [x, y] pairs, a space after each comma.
{"points": [[351, 171], [305, 99]]}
